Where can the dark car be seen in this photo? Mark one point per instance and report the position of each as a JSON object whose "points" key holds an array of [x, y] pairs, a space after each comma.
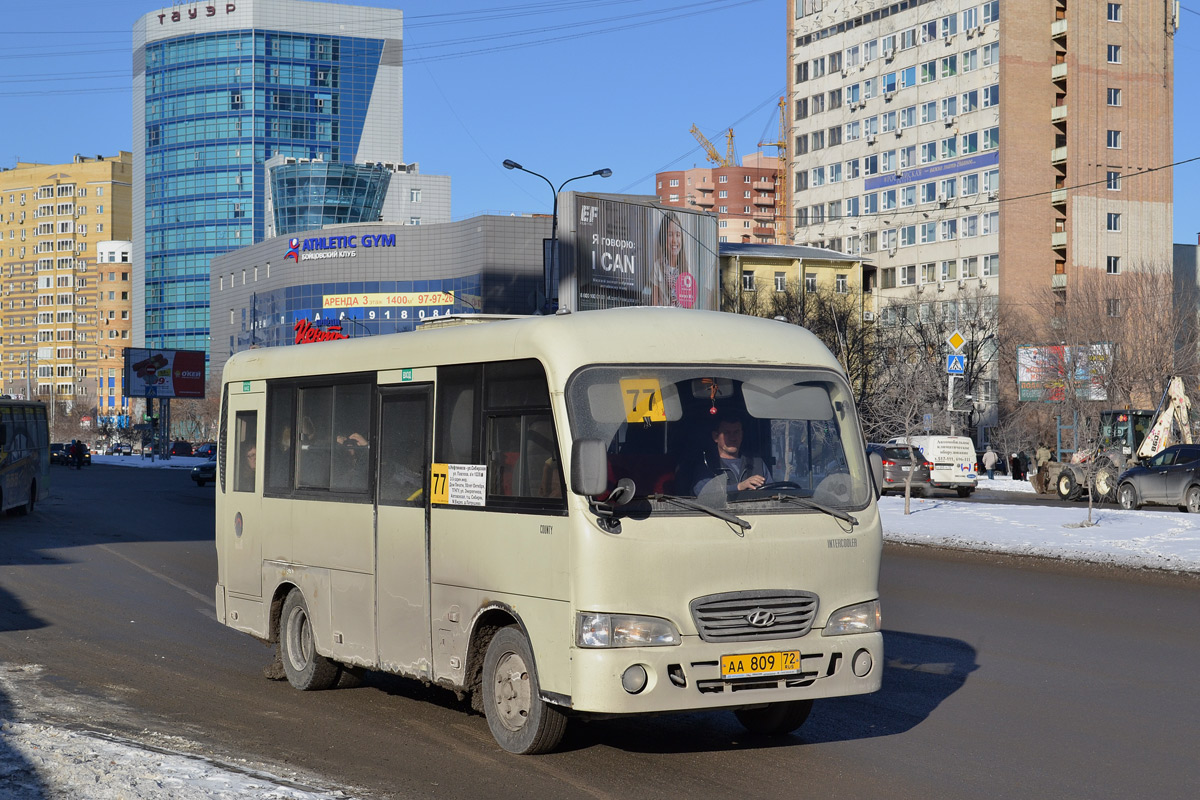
{"points": [[1171, 478], [181, 449], [58, 453], [206, 472], [206, 450], [897, 463]]}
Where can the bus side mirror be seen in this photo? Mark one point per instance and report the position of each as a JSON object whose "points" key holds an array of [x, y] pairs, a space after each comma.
{"points": [[877, 473], [589, 467]]}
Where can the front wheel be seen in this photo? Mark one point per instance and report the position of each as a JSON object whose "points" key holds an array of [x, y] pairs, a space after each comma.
{"points": [[1192, 499], [1105, 482], [306, 669], [520, 721], [1127, 497], [775, 719], [1066, 486]]}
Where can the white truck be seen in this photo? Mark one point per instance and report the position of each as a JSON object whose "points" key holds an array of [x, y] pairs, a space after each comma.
{"points": [[953, 459]]}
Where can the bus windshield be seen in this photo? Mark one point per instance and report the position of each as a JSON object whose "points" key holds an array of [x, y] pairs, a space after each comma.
{"points": [[727, 436]]}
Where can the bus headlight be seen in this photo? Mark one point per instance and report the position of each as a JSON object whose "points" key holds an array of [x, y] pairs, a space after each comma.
{"points": [[861, 618], [624, 630]]}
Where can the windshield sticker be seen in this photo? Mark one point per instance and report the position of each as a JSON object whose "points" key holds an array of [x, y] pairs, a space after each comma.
{"points": [[643, 400], [458, 484]]}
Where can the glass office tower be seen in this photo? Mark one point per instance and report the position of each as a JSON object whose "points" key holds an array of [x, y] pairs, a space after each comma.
{"points": [[219, 88], [305, 195]]}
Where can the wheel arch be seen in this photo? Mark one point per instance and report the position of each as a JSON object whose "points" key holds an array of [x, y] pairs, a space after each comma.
{"points": [[489, 619], [275, 609]]}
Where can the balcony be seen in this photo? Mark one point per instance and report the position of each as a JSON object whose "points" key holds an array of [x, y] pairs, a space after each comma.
{"points": [[765, 214], [1058, 281], [1058, 240], [759, 200], [763, 231], [765, 184], [705, 201], [1058, 155], [1058, 196], [1058, 28], [1058, 113], [1058, 72]]}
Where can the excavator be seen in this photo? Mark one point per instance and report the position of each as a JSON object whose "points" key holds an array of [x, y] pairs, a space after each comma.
{"points": [[1125, 437]]}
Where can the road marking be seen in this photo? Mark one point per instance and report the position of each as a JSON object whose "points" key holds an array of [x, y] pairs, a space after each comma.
{"points": [[209, 601]]}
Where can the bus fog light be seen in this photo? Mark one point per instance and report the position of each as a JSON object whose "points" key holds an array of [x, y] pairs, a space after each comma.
{"points": [[633, 680], [861, 618], [862, 663]]}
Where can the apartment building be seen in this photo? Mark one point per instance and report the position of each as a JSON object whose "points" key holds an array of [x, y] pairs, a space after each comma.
{"points": [[993, 147], [64, 319], [744, 197]]}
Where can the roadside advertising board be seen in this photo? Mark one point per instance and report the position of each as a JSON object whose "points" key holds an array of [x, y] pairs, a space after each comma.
{"points": [[164, 373]]}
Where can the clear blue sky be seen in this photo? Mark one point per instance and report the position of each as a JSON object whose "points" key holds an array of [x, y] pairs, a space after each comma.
{"points": [[562, 87]]}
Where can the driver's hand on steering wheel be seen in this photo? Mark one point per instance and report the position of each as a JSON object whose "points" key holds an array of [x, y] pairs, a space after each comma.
{"points": [[753, 482]]}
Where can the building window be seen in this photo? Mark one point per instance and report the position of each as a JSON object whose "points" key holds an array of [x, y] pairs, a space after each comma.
{"points": [[722, 179], [1114, 265], [810, 281], [674, 181], [1114, 181], [414, 220], [1114, 12], [747, 280], [1113, 306], [1114, 54], [840, 284], [1114, 222], [414, 195], [1114, 97], [991, 265], [781, 281], [1114, 140]]}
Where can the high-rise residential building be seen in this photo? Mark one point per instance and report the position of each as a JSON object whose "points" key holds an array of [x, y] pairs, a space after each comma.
{"points": [[218, 90], [65, 280], [744, 197], [997, 149]]}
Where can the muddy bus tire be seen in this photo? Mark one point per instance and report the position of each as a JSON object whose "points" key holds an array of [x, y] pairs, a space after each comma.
{"points": [[521, 722], [306, 669]]}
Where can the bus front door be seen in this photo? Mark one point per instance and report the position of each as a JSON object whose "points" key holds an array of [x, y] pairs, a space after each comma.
{"points": [[402, 530]]}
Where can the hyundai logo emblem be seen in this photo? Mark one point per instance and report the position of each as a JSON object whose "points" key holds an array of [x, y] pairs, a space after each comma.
{"points": [[761, 618]]}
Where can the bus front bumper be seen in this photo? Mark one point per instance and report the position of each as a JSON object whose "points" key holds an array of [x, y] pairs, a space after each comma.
{"points": [[688, 677]]}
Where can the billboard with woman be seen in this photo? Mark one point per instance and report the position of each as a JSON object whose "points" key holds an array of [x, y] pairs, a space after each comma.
{"points": [[621, 250]]}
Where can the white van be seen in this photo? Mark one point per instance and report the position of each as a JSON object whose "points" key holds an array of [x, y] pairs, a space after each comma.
{"points": [[953, 459]]}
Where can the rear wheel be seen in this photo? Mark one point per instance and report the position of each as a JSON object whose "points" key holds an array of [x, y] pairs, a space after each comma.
{"points": [[1066, 487], [1127, 497], [306, 669], [1192, 498], [1105, 482], [963, 491], [775, 719], [520, 721], [26, 509]]}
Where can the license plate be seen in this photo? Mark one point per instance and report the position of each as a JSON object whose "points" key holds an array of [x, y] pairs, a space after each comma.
{"points": [[905, 469], [754, 664]]}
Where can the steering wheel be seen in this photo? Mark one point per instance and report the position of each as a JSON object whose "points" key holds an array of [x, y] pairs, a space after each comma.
{"points": [[780, 485]]}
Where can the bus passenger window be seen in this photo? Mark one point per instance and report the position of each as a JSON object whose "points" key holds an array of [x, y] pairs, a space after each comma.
{"points": [[246, 437], [352, 438], [403, 459], [281, 421], [315, 425]]}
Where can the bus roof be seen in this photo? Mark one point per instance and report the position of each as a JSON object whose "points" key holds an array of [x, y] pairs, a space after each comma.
{"points": [[562, 342]]}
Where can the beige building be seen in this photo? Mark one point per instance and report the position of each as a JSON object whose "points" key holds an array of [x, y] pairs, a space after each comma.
{"points": [[65, 277]]}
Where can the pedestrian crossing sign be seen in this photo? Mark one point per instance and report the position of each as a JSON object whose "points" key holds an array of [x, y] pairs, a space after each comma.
{"points": [[956, 364]]}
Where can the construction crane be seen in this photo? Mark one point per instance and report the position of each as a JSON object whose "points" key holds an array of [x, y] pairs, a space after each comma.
{"points": [[782, 196], [730, 159]]}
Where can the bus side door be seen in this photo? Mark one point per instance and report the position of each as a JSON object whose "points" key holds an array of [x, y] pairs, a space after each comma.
{"points": [[402, 530]]}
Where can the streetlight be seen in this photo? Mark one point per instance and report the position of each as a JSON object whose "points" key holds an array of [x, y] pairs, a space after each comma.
{"points": [[549, 267]]}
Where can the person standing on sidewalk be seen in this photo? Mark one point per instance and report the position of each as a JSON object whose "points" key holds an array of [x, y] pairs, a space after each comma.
{"points": [[989, 462]]}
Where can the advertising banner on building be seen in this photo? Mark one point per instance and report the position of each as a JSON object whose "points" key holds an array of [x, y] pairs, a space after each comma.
{"points": [[620, 250], [164, 373], [1048, 373]]}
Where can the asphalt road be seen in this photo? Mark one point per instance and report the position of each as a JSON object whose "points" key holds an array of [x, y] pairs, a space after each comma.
{"points": [[1004, 678]]}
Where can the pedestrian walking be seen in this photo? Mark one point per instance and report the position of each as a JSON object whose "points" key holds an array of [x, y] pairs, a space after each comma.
{"points": [[77, 447], [1042, 461], [989, 462]]}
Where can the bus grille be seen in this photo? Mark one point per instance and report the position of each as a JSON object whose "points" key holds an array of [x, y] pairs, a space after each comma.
{"points": [[747, 616]]}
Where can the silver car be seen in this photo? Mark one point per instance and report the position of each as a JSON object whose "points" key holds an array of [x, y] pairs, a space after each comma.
{"points": [[897, 463], [1171, 478]]}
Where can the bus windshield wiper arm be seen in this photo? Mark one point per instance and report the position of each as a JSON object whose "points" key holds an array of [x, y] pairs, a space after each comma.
{"points": [[692, 504], [815, 506]]}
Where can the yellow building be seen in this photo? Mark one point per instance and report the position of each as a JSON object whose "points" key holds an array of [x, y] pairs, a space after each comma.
{"points": [[770, 280], [65, 317]]}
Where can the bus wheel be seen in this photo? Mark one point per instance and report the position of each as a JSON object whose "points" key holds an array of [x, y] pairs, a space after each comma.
{"points": [[521, 722], [306, 669], [27, 509], [775, 719]]}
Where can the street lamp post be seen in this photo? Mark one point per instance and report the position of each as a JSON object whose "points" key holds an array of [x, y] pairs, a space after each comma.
{"points": [[552, 301]]}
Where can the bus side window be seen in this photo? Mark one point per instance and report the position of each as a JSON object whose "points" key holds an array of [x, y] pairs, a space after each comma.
{"points": [[245, 442], [280, 444]]}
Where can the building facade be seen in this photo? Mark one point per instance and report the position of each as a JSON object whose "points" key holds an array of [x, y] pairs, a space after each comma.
{"points": [[983, 153], [66, 278], [745, 198], [218, 90], [372, 279]]}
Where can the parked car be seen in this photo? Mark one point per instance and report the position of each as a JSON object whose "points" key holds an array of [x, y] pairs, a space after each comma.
{"points": [[205, 450], [181, 449], [125, 449], [58, 453], [206, 472], [1171, 478], [898, 461]]}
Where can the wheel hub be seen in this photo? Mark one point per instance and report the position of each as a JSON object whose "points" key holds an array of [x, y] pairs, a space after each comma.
{"points": [[513, 696]]}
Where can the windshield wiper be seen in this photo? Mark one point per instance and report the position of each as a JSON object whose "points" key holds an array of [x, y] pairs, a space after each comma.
{"points": [[692, 504], [804, 501]]}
